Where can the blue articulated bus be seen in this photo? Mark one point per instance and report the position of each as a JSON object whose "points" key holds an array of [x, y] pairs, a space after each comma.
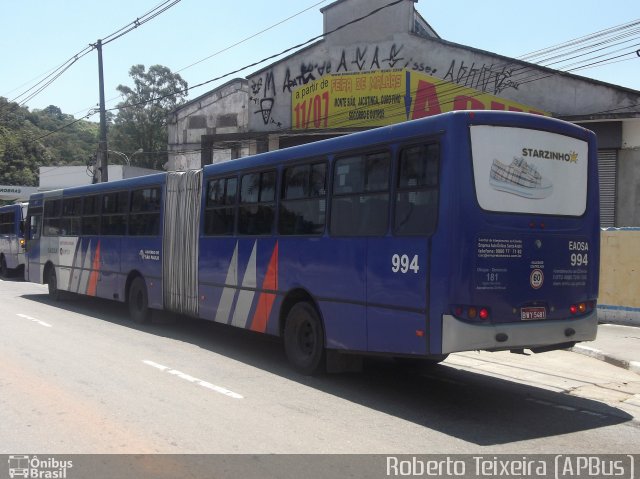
{"points": [[462, 231], [12, 242]]}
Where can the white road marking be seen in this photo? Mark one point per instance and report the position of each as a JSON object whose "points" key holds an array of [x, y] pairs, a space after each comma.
{"points": [[565, 408], [191, 379], [41, 323]]}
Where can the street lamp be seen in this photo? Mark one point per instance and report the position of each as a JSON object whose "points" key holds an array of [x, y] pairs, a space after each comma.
{"points": [[126, 158]]}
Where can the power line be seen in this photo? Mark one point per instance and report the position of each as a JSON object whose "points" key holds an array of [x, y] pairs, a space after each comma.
{"points": [[229, 47], [453, 87], [271, 57], [57, 72], [252, 36]]}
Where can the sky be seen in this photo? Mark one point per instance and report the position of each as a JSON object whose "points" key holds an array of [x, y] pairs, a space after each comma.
{"points": [[37, 36]]}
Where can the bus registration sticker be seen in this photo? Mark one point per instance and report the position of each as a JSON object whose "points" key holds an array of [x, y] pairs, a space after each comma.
{"points": [[533, 313], [536, 279]]}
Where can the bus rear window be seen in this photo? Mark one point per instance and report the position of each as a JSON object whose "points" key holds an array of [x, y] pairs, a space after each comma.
{"points": [[517, 170]]}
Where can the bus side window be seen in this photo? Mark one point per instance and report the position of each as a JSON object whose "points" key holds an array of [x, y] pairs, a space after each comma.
{"points": [[257, 203], [303, 200], [70, 221], [34, 227], [90, 224], [114, 213], [360, 202], [144, 215], [220, 207], [5, 223], [52, 209], [417, 196]]}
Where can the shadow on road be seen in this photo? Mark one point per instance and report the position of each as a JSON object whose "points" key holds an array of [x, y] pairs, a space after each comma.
{"points": [[472, 406]]}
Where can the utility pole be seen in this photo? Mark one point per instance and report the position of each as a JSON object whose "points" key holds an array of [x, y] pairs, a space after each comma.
{"points": [[102, 163]]}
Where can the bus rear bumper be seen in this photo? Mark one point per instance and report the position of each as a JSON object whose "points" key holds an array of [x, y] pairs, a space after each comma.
{"points": [[461, 336]]}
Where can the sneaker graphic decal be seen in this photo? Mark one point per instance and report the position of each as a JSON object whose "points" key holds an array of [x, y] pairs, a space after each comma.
{"points": [[519, 178]]}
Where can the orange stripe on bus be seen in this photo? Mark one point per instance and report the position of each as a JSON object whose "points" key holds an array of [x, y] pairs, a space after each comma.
{"points": [[266, 300], [92, 288]]}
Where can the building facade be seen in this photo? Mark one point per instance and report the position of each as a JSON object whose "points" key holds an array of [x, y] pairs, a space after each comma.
{"points": [[391, 66]]}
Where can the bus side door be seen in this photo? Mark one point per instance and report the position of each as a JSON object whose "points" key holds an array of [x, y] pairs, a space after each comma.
{"points": [[397, 295], [34, 230]]}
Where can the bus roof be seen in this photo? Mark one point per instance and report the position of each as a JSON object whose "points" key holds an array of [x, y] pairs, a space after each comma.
{"points": [[400, 131]]}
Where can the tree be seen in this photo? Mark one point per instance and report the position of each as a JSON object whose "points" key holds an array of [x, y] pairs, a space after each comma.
{"points": [[141, 122], [46, 137]]}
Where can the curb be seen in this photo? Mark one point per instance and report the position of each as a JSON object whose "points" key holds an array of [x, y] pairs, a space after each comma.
{"points": [[633, 366], [623, 315]]}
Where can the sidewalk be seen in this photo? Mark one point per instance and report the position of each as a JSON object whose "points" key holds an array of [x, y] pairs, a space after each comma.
{"points": [[615, 344]]}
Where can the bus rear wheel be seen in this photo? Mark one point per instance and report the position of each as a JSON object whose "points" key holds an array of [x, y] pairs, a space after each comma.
{"points": [[52, 283], [304, 339], [139, 301]]}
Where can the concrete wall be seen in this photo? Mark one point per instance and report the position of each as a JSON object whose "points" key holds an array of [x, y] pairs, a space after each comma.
{"points": [[392, 45], [54, 177], [274, 99], [619, 295], [628, 189], [378, 27], [223, 110]]}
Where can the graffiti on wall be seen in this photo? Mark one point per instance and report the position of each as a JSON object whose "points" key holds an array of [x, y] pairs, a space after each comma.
{"points": [[263, 97], [486, 78], [373, 60], [385, 97]]}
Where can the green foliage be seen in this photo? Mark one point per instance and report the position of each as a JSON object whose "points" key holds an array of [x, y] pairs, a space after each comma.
{"points": [[49, 137], [141, 122], [30, 139]]}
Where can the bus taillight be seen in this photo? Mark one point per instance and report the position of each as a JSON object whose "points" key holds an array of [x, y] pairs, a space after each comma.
{"points": [[22, 243], [471, 312], [581, 308]]}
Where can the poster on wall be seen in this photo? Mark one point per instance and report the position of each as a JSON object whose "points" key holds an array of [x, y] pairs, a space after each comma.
{"points": [[529, 171], [385, 97]]}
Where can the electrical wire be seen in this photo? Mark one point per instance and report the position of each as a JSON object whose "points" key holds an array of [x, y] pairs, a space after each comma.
{"points": [[252, 36], [57, 72], [519, 72], [271, 57], [229, 47]]}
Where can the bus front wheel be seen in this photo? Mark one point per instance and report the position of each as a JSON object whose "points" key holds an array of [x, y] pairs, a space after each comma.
{"points": [[4, 271], [139, 301], [52, 283], [304, 339]]}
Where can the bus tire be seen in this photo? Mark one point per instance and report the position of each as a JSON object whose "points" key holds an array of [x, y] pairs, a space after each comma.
{"points": [[304, 339], [139, 301], [52, 283], [4, 271]]}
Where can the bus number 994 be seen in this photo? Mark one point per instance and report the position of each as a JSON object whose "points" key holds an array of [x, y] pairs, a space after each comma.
{"points": [[402, 264], [579, 259]]}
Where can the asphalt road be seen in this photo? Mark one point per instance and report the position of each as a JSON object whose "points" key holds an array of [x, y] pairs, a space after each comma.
{"points": [[78, 377]]}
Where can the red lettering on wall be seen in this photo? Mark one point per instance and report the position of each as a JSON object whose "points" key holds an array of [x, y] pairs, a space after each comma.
{"points": [[463, 102], [427, 102]]}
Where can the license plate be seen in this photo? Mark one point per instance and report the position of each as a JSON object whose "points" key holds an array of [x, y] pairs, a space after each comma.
{"points": [[533, 313]]}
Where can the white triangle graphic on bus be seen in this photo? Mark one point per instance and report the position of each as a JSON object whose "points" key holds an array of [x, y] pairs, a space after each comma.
{"points": [[245, 297], [228, 293], [83, 282]]}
